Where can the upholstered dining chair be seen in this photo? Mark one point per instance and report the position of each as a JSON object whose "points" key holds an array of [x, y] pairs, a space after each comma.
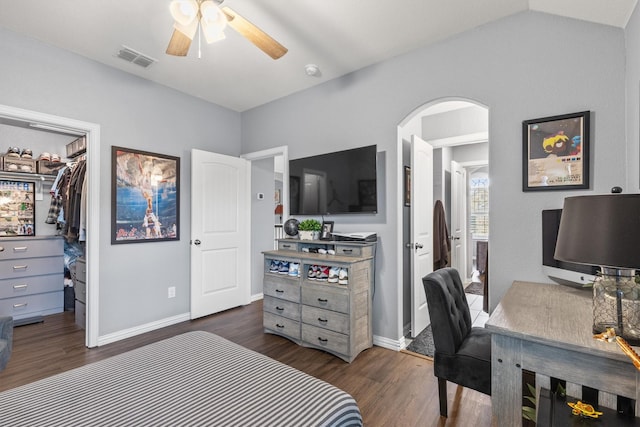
{"points": [[462, 352], [6, 340]]}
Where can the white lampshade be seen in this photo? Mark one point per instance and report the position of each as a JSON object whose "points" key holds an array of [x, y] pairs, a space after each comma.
{"points": [[184, 11], [213, 21]]}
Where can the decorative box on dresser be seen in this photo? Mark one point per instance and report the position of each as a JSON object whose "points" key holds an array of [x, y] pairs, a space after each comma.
{"points": [[317, 313], [80, 285], [31, 277]]}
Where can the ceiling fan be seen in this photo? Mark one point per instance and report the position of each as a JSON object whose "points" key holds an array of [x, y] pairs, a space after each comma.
{"points": [[209, 19]]}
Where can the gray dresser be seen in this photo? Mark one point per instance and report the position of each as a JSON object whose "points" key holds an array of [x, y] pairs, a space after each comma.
{"points": [[318, 313], [31, 277]]}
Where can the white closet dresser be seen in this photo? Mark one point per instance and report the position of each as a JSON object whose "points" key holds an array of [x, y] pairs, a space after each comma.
{"points": [[31, 277]]}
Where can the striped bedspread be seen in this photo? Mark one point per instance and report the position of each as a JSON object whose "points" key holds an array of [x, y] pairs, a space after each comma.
{"points": [[193, 379]]}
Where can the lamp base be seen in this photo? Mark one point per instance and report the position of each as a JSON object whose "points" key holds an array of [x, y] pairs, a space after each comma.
{"points": [[616, 304]]}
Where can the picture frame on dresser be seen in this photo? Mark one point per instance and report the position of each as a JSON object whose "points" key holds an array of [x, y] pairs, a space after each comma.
{"points": [[17, 208], [145, 193], [327, 229]]}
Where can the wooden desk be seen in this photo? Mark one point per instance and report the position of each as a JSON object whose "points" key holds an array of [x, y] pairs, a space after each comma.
{"points": [[547, 329]]}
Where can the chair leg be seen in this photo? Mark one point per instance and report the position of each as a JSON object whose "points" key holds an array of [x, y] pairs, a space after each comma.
{"points": [[442, 392]]}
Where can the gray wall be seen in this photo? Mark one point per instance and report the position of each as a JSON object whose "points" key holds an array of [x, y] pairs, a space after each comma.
{"points": [[133, 113], [262, 218], [526, 66], [632, 34]]}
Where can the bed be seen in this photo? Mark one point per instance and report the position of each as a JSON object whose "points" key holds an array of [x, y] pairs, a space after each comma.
{"points": [[193, 379]]}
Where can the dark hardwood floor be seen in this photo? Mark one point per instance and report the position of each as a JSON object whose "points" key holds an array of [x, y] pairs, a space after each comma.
{"points": [[391, 388]]}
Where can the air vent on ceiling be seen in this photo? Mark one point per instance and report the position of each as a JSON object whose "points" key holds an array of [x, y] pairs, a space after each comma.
{"points": [[132, 55]]}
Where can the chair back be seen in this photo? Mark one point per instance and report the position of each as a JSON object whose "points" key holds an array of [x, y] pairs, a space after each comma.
{"points": [[448, 309]]}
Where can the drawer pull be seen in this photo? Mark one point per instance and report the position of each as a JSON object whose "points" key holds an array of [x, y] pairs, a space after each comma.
{"points": [[321, 320], [20, 249], [20, 305], [279, 291], [279, 326], [22, 286], [323, 300], [1, 248], [347, 251], [323, 340], [286, 246], [19, 267]]}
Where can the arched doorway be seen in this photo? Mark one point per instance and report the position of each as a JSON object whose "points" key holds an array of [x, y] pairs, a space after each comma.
{"points": [[457, 129]]}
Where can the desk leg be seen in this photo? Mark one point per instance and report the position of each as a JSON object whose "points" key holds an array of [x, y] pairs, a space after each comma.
{"points": [[506, 381]]}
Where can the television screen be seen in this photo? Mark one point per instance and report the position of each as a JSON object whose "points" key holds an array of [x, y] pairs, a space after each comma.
{"points": [[335, 183]]}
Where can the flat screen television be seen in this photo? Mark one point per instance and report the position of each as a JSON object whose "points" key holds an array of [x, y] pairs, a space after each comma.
{"points": [[342, 182], [565, 273]]}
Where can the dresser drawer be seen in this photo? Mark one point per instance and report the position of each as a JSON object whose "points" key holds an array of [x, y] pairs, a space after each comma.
{"points": [[81, 292], [325, 319], [280, 307], [30, 248], [282, 325], [10, 288], [278, 288], [319, 337], [287, 246], [354, 251], [329, 299], [31, 266], [28, 305]]}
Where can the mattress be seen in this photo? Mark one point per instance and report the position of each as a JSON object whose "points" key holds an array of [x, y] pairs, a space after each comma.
{"points": [[193, 379]]}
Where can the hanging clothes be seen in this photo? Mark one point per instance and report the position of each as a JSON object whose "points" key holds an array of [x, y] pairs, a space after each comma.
{"points": [[441, 242]]}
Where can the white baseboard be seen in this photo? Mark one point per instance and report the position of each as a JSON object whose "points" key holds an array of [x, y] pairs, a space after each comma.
{"points": [[395, 345], [131, 332], [257, 297]]}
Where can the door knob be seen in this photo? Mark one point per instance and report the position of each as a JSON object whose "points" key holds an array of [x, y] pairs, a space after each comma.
{"points": [[196, 242], [419, 246]]}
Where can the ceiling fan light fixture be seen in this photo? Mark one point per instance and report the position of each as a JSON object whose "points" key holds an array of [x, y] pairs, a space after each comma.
{"points": [[213, 21], [184, 11]]}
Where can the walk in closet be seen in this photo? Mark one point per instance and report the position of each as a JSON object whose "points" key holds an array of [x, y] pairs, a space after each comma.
{"points": [[42, 221]]}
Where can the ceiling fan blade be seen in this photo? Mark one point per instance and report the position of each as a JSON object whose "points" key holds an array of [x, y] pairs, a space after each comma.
{"points": [[254, 34], [179, 44]]}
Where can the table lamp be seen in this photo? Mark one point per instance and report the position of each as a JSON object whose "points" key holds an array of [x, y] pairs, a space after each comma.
{"points": [[604, 230]]}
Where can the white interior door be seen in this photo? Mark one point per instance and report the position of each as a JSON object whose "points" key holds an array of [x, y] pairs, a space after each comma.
{"points": [[220, 232], [459, 219], [421, 245]]}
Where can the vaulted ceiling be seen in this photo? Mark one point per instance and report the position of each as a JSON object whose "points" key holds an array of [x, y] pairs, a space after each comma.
{"points": [[339, 36]]}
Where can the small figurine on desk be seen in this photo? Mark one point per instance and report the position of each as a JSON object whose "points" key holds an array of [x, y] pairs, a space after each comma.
{"points": [[583, 409], [610, 335]]}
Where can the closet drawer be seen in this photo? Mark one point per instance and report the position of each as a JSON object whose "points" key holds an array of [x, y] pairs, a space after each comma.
{"points": [[282, 325], [10, 288], [81, 270], [325, 298], [28, 305], [81, 292], [81, 314], [325, 319], [30, 248], [324, 338], [281, 307], [31, 266]]}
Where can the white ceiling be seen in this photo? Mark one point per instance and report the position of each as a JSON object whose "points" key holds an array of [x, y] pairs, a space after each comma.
{"points": [[340, 36]]}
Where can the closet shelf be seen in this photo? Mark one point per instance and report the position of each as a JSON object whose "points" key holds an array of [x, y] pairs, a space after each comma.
{"points": [[26, 176]]}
